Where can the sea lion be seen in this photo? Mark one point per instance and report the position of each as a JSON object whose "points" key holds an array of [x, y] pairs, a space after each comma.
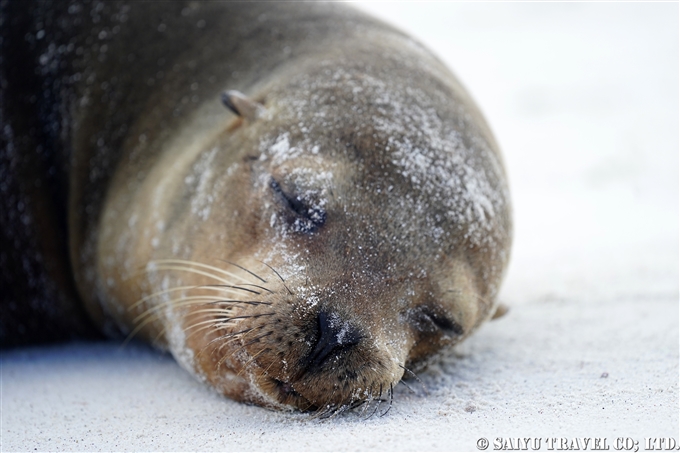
{"points": [[299, 202]]}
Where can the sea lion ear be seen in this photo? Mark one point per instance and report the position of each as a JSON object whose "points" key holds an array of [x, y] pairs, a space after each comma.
{"points": [[241, 105]]}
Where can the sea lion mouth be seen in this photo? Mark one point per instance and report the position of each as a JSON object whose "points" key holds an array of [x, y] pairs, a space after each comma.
{"points": [[287, 395], [319, 374]]}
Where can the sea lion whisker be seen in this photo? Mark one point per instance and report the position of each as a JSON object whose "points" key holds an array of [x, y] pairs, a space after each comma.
{"points": [[266, 371], [241, 287], [160, 293], [190, 270], [401, 381], [198, 330], [151, 315], [241, 332], [331, 406], [258, 286], [369, 398], [326, 407], [339, 409], [309, 404], [230, 336], [357, 403], [226, 356], [391, 395], [247, 364], [246, 270], [160, 334], [379, 401], [252, 341], [322, 412], [256, 339], [209, 344], [222, 322], [197, 264], [353, 403], [194, 300], [215, 322], [317, 412], [236, 301], [203, 326], [253, 316], [278, 275], [209, 323], [221, 312], [199, 354], [253, 358], [234, 336], [154, 313], [163, 330], [225, 321], [329, 413], [235, 287], [218, 366], [224, 340], [179, 302], [218, 288], [274, 270], [416, 378], [136, 330]]}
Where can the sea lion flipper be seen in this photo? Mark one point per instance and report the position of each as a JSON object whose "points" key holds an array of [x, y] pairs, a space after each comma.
{"points": [[241, 105], [501, 311]]}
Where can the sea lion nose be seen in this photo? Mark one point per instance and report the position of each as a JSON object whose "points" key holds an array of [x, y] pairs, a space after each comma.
{"points": [[336, 336]]}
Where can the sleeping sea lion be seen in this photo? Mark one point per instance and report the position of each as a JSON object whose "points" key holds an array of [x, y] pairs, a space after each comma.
{"points": [[298, 201]]}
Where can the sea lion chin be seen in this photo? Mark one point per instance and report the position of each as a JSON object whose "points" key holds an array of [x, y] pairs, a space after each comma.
{"points": [[303, 245]]}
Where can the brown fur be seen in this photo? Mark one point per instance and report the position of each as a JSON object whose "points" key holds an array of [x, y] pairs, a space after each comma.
{"points": [[308, 254]]}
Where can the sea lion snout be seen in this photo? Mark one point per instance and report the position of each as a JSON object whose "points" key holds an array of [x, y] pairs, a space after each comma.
{"points": [[312, 350], [334, 336]]}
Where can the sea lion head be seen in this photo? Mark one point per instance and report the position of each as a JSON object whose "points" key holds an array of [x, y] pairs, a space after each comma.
{"points": [[348, 224]]}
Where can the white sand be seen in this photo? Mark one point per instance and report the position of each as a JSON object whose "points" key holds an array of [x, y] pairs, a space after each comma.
{"points": [[584, 102]]}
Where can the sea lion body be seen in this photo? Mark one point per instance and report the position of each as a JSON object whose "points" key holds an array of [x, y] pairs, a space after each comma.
{"points": [[304, 255]]}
